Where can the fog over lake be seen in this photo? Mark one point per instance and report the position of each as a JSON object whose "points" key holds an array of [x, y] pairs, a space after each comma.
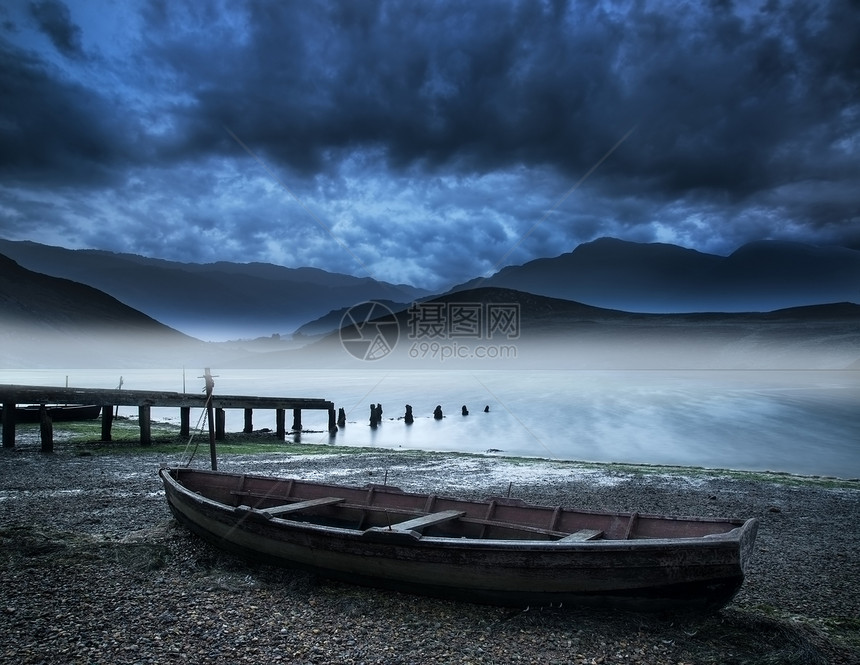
{"points": [[804, 422]]}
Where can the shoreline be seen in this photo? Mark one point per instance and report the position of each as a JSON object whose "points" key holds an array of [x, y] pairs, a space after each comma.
{"points": [[83, 439], [246, 444]]}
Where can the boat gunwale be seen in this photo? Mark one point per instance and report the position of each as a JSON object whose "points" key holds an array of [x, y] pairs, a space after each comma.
{"points": [[727, 539]]}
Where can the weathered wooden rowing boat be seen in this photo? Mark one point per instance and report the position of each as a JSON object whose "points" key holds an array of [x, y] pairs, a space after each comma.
{"points": [[58, 413], [499, 551]]}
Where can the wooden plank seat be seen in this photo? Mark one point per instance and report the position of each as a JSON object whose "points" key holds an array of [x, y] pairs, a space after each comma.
{"points": [[581, 536], [408, 531], [301, 505], [428, 520]]}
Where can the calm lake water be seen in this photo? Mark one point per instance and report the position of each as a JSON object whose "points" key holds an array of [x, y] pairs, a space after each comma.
{"points": [[805, 422]]}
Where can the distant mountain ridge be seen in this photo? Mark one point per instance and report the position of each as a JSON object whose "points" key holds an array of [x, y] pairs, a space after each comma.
{"points": [[662, 278], [52, 321], [554, 333], [225, 300], [210, 301], [32, 298]]}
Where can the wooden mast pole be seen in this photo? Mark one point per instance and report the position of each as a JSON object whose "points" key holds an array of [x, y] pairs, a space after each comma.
{"points": [[210, 416]]}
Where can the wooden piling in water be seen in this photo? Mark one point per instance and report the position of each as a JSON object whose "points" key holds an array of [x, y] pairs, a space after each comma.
{"points": [[220, 424], [144, 419], [281, 424], [185, 421], [332, 421], [46, 430], [297, 420], [249, 421], [107, 422]]}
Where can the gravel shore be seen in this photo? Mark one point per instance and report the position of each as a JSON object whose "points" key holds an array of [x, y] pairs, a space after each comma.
{"points": [[96, 571]]}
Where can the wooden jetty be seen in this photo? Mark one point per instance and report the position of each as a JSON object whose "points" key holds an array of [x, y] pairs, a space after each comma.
{"points": [[144, 400]]}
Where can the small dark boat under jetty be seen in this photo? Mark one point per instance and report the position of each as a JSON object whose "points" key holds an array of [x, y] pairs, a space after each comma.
{"points": [[499, 551], [58, 413]]}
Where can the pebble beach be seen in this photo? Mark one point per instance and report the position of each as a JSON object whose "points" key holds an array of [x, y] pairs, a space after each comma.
{"points": [[96, 570]]}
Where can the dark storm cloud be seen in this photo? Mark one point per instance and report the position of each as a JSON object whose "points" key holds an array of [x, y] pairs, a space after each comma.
{"points": [[54, 131], [477, 86], [439, 130], [480, 86], [55, 21], [728, 103]]}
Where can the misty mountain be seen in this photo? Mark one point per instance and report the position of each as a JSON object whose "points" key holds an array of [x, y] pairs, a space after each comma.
{"points": [[47, 320], [557, 333], [638, 277], [332, 320], [211, 301], [617, 279]]}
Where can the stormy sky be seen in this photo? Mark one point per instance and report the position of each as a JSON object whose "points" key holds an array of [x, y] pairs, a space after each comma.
{"points": [[426, 142]]}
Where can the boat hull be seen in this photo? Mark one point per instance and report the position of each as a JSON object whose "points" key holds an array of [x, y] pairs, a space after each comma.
{"points": [[66, 413], [700, 574]]}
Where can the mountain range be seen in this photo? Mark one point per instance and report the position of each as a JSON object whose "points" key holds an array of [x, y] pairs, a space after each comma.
{"points": [[48, 321], [805, 297], [662, 278], [553, 333], [215, 301], [221, 301]]}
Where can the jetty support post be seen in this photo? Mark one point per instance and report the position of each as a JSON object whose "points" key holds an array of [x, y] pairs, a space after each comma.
{"points": [[332, 420], [46, 429], [144, 417], [9, 424], [297, 420], [107, 421], [184, 421], [249, 421], [281, 424], [220, 424]]}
